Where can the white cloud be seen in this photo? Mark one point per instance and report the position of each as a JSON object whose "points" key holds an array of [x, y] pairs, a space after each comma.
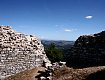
{"points": [[70, 30], [64, 28], [67, 30], [89, 17]]}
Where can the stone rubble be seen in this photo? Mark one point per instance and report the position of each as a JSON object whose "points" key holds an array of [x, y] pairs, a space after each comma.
{"points": [[19, 52], [49, 70]]}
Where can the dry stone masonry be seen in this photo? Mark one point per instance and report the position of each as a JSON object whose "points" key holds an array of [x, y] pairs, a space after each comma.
{"points": [[19, 52]]}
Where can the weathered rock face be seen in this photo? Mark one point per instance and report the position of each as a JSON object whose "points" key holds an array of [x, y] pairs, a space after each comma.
{"points": [[88, 50], [19, 52]]}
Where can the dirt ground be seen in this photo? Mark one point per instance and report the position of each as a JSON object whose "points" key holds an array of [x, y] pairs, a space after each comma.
{"points": [[64, 73]]}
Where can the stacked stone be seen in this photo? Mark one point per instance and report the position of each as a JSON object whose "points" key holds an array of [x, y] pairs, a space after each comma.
{"points": [[88, 50], [19, 52]]}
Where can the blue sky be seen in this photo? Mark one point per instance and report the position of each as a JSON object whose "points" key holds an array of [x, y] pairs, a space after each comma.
{"points": [[54, 19]]}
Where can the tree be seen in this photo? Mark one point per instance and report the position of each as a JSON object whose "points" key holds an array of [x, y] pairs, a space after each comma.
{"points": [[53, 53]]}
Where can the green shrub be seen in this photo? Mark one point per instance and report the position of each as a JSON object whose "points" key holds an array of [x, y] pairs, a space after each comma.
{"points": [[53, 53]]}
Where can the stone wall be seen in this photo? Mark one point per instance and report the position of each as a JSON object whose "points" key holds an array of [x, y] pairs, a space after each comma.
{"points": [[88, 50], [19, 52]]}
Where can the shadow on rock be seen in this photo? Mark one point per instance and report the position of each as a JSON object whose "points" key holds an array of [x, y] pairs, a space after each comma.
{"points": [[97, 76]]}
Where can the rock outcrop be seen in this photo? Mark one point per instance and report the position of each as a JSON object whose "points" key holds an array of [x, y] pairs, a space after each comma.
{"points": [[19, 52], [88, 50]]}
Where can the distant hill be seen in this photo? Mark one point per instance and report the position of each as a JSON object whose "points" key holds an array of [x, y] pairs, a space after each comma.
{"points": [[61, 44]]}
